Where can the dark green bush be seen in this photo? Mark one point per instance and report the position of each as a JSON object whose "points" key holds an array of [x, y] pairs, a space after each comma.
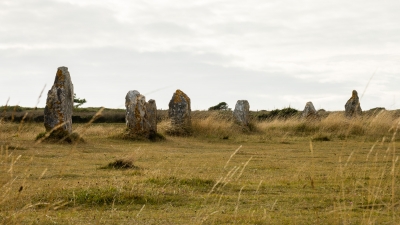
{"points": [[10, 108], [287, 112], [284, 113]]}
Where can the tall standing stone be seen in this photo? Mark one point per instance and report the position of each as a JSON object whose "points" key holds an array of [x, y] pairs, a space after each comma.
{"points": [[241, 112], [180, 113], [352, 107], [309, 111], [151, 114], [60, 103], [141, 116]]}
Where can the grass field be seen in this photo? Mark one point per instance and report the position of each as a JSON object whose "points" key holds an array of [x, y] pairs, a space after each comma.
{"points": [[333, 171]]}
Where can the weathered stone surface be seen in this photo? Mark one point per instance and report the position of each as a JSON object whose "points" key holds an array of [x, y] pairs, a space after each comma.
{"points": [[60, 103], [151, 114], [141, 116], [309, 111], [352, 107], [180, 113], [241, 112]]}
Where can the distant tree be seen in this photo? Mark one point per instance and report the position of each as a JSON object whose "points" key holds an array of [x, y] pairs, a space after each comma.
{"points": [[220, 106], [78, 101]]}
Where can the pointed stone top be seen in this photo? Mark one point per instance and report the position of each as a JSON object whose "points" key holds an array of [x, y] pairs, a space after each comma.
{"points": [[354, 94], [59, 103], [309, 111], [179, 96], [352, 107]]}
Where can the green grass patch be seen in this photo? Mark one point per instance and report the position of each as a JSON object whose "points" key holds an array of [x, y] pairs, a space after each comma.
{"points": [[197, 183]]}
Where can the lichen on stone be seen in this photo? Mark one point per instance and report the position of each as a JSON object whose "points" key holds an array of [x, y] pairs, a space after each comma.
{"points": [[59, 104], [139, 123], [352, 106], [180, 114]]}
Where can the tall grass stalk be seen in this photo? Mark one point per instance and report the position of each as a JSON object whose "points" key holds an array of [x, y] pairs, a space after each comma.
{"points": [[234, 153], [351, 177]]}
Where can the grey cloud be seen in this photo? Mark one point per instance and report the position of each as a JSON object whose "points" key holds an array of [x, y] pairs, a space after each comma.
{"points": [[51, 23], [239, 28], [104, 75], [166, 29]]}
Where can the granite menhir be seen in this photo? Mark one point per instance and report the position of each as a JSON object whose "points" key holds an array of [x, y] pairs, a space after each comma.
{"points": [[352, 107], [59, 104], [180, 113], [242, 112], [141, 116]]}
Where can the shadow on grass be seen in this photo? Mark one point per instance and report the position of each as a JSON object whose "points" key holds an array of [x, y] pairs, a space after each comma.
{"points": [[61, 137], [153, 137]]}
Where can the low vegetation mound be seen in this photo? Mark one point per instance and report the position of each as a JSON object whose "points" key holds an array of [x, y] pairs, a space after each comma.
{"points": [[285, 113], [125, 163]]}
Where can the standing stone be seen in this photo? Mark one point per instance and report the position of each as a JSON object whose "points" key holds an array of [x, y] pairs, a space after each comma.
{"points": [[309, 111], [352, 107], [241, 112], [151, 113], [135, 118], [180, 113], [59, 104]]}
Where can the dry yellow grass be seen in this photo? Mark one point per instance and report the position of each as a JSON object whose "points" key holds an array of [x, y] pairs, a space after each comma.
{"points": [[333, 171]]}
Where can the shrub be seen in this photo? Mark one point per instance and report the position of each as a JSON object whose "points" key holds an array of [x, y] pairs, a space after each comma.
{"points": [[78, 101], [287, 112], [9, 108], [220, 106], [284, 113]]}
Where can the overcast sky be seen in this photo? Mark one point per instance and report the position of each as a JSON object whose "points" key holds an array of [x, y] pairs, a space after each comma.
{"points": [[273, 53]]}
